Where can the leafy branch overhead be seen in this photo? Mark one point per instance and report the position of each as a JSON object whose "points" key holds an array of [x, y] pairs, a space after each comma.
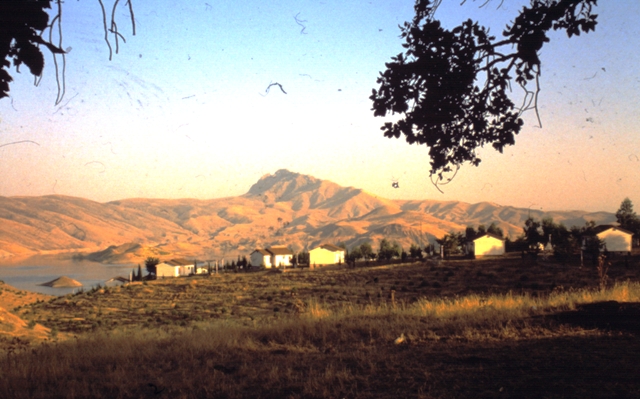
{"points": [[452, 88], [21, 27], [26, 27]]}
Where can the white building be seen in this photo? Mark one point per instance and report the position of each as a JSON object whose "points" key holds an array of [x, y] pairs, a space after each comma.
{"points": [[485, 245], [260, 257], [175, 268], [277, 255], [615, 239], [326, 254]]}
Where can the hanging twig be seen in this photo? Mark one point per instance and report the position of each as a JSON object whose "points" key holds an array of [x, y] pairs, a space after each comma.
{"points": [[300, 22], [274, 84], [19, 142]]}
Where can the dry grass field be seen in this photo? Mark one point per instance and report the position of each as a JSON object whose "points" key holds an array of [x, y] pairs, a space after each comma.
{"points": [[454, 329]]}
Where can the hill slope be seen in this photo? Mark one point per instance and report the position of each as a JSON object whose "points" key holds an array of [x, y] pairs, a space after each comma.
{"points": [[284, 208]]}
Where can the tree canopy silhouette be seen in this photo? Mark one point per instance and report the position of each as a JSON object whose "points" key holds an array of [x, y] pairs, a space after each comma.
{"points": [[26, 26], [453, 87], [627, 217]]}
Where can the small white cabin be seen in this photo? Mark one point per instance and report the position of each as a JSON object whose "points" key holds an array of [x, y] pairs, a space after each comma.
{"points": [[275, 256], [326, 254], [175, 268], [615, 239], [260, 257], [486, 245]]}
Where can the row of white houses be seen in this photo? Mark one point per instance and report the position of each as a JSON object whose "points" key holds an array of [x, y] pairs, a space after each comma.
{"points": [[274, 256], [615, 240], [281, 256]]}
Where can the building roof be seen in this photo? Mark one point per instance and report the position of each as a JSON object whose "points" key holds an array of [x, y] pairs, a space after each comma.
{"points": [[488, 235], [262, 251], [279, 250], [604, 227], [330, 247], [180, 262]]}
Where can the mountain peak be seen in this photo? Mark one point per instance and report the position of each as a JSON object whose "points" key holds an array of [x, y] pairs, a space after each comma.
{"points": [[283, 183]]}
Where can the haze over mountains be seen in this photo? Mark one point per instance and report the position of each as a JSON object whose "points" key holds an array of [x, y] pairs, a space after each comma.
{"points": [[284, 208]]}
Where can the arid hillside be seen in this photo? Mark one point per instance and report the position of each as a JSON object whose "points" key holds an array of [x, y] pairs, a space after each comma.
{"points": [[282, 208]]}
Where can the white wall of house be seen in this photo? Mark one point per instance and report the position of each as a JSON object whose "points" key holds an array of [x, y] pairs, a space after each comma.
{"points": [[323, 256], [616, 240], [488, 246], [165, 270], [257, 258], [281, 260]]}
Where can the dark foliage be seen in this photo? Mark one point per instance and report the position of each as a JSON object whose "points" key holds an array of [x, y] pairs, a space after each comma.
{"points": [[451, 86], [22, 23], [150, 263]]}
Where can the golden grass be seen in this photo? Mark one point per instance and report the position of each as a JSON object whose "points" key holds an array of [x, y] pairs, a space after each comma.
{"points": [[367, 333], [323, 351]]}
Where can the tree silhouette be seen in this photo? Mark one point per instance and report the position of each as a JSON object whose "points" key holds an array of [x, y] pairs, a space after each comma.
{"points": [[532, 234], [627, 217], [389, 250], [26, 27], [150, 263], [450, 86]]}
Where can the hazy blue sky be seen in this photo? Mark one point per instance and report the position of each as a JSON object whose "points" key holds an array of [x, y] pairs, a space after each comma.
{"points": [[182, 110]]}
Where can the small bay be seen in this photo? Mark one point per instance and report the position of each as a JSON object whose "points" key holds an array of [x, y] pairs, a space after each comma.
{"points": [[29, 273]]}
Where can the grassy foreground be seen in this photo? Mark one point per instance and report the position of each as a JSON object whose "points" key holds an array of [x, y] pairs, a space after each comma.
{"points": [[319, 343]]}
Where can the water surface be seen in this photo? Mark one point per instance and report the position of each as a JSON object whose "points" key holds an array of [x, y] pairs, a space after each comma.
{"points": [[30, 273]]}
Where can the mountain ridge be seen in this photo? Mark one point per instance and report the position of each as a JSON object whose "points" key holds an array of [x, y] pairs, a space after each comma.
{"points": [[287, 208]]}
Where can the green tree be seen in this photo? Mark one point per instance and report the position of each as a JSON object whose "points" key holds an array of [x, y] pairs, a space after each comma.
{"points": [[495, 230], [415, 252], [452, 88], [564, 241], [354, 254], [389, 250], [482, 230], [451, 242], [303, 257], [549, 228], [625, 214], [627, 217], [139, 278], [470, 233], [532, 234], [150, 264], [592, 247], [367, 251]]}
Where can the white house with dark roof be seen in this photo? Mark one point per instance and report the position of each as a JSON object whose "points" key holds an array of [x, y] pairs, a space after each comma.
{"points": [[260, 257], [175, 268], [485, 245], [276, 255], [326, 254]]}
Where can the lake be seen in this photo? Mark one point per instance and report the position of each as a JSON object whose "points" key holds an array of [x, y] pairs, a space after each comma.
{"points": [[29, 273]]}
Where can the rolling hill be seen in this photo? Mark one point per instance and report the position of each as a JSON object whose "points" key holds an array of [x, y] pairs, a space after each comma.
{"points": [[282, 208]]}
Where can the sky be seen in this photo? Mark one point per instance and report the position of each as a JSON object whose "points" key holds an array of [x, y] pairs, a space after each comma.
{"points": [[183, 110]]}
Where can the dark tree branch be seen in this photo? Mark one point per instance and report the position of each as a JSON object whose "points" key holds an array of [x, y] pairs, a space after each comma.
{"points": [[23, 25], [453, 87]]}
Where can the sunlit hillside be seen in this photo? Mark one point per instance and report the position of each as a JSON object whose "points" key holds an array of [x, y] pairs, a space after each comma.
{"points": [[285, 208]]}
